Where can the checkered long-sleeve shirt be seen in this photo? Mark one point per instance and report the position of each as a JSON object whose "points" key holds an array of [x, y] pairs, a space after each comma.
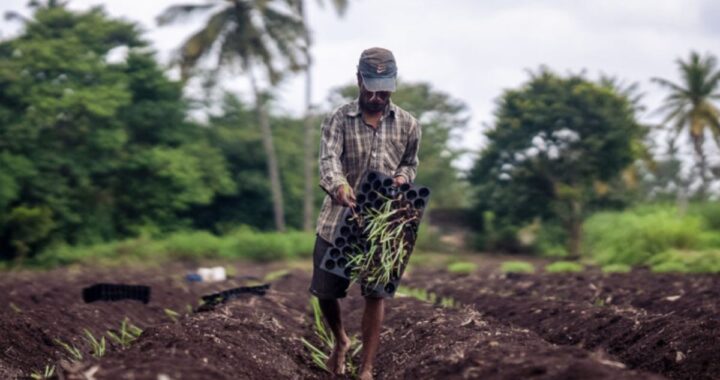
{"points": [[349, 148]]}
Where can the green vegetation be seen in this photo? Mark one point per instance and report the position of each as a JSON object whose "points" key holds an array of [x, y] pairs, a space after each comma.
{"points": [[243, 243], [517, 267], [564, 267], [127, 333], [557, 146], [97, 347], [172, 314], [426, 296], [686, 261], [47, 374], [657, 236], [616, 268], [71, 349], [320, 355], [462, 267]]}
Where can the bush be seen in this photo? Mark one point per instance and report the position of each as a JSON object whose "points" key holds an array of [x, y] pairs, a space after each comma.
{"points": [[462, 267], [686, 261], [616, 268], [633, 237], [564, 267], [242, 243], [517, 267], [551, 240]]}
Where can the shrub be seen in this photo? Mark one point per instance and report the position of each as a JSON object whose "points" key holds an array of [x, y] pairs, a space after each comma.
{"points": [[616, 268], [517, 267], [242, 243], [564, 267], [462, 267], [687, 261], [633, 237]]}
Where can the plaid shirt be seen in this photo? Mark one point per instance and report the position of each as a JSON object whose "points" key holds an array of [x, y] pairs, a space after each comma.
{"points": [[349, 148]]}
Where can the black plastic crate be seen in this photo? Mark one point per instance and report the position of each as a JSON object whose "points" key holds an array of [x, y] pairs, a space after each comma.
{"points": [[349, 237], [116, 292]]}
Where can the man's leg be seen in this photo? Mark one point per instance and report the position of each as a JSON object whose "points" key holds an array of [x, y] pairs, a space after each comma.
{"points": [[331, 311], [371, 324]]}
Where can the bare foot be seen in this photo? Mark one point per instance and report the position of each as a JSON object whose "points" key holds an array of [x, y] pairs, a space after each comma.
{"points": [[336, 362], [366, 374]]}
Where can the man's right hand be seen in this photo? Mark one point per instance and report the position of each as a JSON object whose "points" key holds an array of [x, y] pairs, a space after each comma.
{"points": [[345, 195]]}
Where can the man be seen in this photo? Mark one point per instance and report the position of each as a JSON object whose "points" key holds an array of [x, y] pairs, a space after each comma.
{"points": [[368, 134]]}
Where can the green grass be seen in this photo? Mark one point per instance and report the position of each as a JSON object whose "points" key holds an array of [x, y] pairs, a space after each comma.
{"points": [[517, 267], [462, 267], [242, 243], [616, 268], [97, 347], [47, 374], [564, 267], [425, 296], [686, 261], [319, 355], [635, 236], [127, 333]]}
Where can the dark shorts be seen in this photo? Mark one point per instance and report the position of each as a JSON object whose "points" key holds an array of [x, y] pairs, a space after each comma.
{"points": [[326, 285]]}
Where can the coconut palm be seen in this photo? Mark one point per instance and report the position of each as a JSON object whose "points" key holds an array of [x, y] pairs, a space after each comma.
{"points": [[690, 105], [340, 7], [256, 36]]}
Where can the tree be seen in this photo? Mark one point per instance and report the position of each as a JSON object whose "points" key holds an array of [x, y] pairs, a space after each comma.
{"points": [[555, 146], [252, 34], [309, 123], [690, 105], [92, 150], [441, 118]]}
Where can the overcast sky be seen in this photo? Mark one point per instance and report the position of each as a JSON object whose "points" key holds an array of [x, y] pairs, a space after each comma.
{"points": [[474, 49]]}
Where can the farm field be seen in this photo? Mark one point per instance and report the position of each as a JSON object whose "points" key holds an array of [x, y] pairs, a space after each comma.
{"points": [[487, 325]]}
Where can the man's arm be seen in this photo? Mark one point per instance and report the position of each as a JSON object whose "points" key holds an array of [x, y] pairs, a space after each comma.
{"points": [[331, 148], [409, 162]]}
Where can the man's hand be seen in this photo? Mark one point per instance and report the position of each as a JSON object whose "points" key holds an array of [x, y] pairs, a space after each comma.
{"points": [[400, 180], [345, 195]]}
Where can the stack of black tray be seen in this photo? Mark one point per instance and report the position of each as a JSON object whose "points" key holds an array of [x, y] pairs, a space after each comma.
{"points": [[350, 239]]}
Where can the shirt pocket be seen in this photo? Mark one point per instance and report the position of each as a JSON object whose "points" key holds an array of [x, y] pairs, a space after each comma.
{"points": [[395, 149]]}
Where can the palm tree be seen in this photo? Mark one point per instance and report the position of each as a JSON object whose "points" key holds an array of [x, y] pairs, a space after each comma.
{"points": [[690, 105], [310, 148], [265, 35]]}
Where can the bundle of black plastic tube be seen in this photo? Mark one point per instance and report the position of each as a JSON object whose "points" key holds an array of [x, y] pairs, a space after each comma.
{"points": [[350, 237]]}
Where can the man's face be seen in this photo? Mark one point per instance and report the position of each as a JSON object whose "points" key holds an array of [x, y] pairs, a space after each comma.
{"points": [[373, 101]]}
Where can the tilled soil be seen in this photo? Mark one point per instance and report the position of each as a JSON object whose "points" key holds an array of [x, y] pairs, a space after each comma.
{"points": [[497, 333], [666, 324]]}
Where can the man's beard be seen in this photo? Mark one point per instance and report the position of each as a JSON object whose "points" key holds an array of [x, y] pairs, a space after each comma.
{"points": [[372, 106]]}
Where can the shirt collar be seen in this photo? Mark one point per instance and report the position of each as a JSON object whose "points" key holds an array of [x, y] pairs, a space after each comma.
{"points": [[354, 109]]}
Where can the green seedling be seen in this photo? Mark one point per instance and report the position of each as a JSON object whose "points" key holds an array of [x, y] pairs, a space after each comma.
{"points": [[15, 308], [389, 248], [97, 346], [126, 335], [429, 297], [71, 349], [272, 276], [517, 267], [48, 373], [320, 355], [462, 267], [172, 314]]}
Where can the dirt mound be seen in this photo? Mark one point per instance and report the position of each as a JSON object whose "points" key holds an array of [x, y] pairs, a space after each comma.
{"points": [[570, 314], [510, 328]]}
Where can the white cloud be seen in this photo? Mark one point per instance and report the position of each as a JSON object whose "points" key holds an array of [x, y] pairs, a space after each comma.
{"points": [[475, 49]]}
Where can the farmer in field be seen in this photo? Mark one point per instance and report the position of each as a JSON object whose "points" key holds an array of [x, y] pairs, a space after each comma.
{"points": [[368, 134]]}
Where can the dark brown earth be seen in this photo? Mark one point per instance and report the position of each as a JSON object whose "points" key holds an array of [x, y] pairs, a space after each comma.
{"points": [[587, 326]]}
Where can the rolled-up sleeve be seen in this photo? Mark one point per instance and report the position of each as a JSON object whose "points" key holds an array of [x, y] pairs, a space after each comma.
{"points": [[409, 162], [331, 149]]}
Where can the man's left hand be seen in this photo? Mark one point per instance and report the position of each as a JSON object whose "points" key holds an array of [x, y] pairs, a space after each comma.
{"points": [[400, 180]]}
